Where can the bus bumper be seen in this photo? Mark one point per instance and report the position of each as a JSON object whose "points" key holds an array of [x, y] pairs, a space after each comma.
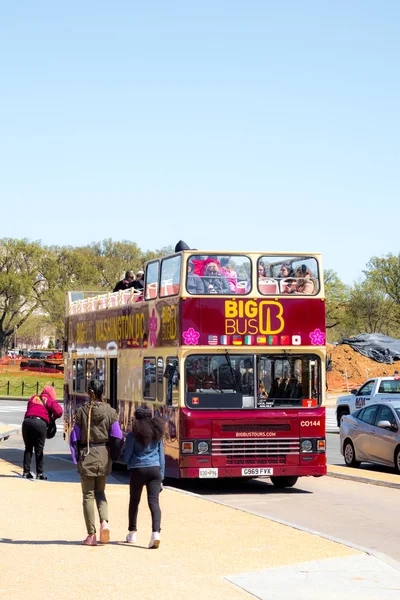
{"points": [[243, 472]]}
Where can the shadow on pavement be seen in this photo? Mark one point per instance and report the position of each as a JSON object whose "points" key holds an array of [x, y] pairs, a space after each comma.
{"points": [[222, 487], [66, 543]]}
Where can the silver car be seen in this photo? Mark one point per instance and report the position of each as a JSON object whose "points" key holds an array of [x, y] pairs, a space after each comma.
{"points": [[372, 434]]}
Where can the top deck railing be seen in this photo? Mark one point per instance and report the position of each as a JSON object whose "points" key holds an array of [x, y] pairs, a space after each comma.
{"points": [[104, 301]]}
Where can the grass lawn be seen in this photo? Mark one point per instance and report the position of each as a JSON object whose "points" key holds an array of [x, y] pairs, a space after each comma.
{"points": [[14, 382]]}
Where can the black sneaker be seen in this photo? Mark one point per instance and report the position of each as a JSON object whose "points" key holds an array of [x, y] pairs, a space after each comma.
{"points": [[27, 475], [42, 477]]}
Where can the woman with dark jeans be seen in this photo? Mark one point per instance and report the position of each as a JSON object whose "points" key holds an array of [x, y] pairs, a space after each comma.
{"points": [[144, 455], [34, 428]]}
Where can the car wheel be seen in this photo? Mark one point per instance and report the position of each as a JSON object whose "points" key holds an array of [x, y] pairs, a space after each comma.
{"points": [[340, 414], [284, 482], [397, 460], [350, 455]]}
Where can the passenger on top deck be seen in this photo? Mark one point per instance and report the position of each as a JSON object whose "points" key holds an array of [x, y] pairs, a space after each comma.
{"points": [[227, 271], [261, 270], [125, 283], [213, 282], [138, 283], [305, 284], [286, 270], [289, 286], [194, 283]]}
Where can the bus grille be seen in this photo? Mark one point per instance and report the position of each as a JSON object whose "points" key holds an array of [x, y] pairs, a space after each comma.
{"points": [[255, 451]]}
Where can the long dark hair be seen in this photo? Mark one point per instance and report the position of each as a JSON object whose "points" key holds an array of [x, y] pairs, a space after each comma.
{"points": [[96, 390], [146, 428]]}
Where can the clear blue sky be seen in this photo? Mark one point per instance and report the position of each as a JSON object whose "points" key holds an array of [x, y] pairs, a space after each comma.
{"points": [[253, 125]]}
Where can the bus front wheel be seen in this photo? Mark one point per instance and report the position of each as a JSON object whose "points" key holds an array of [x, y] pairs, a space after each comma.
{"points": [[284, 481]]}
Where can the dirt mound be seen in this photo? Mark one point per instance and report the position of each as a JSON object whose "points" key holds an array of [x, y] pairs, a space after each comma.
{"points": [[346, 362]]}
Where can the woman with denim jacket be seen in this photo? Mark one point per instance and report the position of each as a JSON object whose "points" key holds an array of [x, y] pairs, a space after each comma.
{"points": [[144, 455]]}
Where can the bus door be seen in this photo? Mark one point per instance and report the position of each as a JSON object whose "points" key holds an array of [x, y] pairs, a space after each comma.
{"points": [[172, 376], [113, 379]]}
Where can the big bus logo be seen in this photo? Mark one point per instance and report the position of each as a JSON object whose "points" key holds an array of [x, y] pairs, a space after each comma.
{"points": [[251, 317]]}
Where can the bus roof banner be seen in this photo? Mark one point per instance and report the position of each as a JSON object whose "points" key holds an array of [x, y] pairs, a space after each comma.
{"points": [[253, 322]]}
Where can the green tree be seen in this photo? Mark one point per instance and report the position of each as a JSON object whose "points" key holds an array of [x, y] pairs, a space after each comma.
{"points": [[31, 333], [370, 310], [112, 259], [65, 269], [384, 272], [337, 298], [21, 285]]}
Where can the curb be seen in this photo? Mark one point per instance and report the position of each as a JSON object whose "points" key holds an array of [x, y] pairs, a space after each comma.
{"points": [[23, 399], [361, 479], [379, 555], [6, 434]]}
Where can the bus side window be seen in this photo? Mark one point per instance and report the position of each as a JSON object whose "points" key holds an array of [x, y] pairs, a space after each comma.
{"points": [[149, 378], [160, 379], [100, 369], [151, 285], [90, 371], [78, 384], [170, 276], [172, 376]]}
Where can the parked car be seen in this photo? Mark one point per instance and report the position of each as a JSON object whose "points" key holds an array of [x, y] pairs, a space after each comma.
{"points": [[372, 434], [379, 389], [39, 354]]}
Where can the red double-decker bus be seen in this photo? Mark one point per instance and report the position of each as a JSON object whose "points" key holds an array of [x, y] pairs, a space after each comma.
{"points": [[228, 347]]}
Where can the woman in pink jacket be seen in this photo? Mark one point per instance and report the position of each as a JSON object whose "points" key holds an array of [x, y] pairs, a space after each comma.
{"points": [[34, 428]]}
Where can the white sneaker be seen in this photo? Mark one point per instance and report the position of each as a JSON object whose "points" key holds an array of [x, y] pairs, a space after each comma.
{"points": [[131, 537], [154, 540]]}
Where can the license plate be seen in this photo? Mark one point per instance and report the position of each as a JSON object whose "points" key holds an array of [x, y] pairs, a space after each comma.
{"points": [[258, 472], [208, 473]]}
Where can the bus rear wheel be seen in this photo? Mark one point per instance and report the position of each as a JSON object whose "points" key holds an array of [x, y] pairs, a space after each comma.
{"points": [[284, 481]]}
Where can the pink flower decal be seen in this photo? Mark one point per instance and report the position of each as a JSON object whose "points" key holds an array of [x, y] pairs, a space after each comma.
{"points": [[153, 328], [191, 336], [317, 337]]}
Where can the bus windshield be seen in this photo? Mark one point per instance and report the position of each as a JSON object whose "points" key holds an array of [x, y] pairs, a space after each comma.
{"points": [[218, 274], [288, 275], [218, 381]]}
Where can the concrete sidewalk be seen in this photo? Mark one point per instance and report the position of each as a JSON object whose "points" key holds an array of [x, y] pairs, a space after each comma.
{"points": [[207, 550]]}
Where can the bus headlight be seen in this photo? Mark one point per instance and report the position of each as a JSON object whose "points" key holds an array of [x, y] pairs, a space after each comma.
{"points": [[306, 446], [202, 447]]}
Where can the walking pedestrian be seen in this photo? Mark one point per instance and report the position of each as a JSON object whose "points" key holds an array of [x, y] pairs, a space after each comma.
{"points": [[95, 441], [40, 410], [144, 455]]}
